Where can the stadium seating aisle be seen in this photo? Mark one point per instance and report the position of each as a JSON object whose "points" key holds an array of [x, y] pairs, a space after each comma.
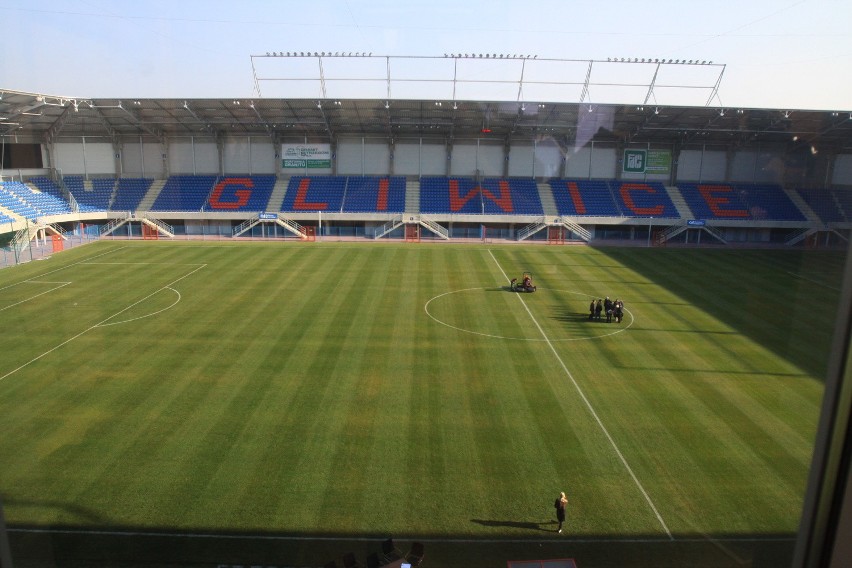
{"points": [[829, 205], [129, 192]]}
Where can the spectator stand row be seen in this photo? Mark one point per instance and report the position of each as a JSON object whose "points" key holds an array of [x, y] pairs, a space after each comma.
{"points": [[438, 195]]}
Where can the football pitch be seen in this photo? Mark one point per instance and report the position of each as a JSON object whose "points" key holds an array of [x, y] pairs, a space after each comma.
{"points": [[320, 397]]}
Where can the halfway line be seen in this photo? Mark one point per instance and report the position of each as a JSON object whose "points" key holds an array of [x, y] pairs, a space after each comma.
{"points": [[589, 406]]}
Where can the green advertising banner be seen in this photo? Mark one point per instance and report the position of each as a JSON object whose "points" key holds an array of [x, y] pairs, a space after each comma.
{"points": [[648, 161], [658, 162]]}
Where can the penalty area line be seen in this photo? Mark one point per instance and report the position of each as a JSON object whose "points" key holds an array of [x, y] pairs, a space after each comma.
{"points": [[100, 324], [589, 406]]}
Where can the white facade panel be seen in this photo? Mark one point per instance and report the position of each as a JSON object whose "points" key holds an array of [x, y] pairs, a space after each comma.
{"points": [[406, 159], [100, 158], [603, 163], [548, 159], [236, 156], [842, 174], [69, 158], [154, 162], [490, 160], [376, 159], [348, 159], [714, 166], [181, 158], [579, 163], [689, 165], [433, 160], [463, 160], [743, 166], [206, 158], [132, 159], [263, 159], [521, 160]]}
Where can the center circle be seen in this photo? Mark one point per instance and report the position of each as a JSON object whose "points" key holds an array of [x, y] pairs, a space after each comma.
{"points": [[455, 309]]}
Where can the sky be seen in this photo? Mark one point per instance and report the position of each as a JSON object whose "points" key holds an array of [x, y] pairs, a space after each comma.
{"points": [[785, 54]]}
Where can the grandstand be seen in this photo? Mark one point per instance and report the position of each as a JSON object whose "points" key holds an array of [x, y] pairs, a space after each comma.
{"points": [[670, 173]]}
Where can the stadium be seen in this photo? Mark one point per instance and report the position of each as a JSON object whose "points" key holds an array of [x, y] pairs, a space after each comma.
{"points": [[284, 330]]}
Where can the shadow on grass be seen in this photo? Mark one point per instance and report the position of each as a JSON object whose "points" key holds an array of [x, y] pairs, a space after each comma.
{"points": [[765, 295], [515, 524], [144, 547]]}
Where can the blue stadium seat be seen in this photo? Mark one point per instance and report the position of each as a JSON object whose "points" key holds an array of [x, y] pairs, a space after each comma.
{"points": [[314, 193], [184, 193], [753, 202], [374, 194]]}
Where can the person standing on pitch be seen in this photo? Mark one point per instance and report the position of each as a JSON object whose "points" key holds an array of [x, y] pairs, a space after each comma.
{"points": [[560, 504]]}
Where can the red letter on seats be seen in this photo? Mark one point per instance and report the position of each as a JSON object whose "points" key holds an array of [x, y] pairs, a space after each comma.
{"points": [[302, 194], [626, 188], [576, 198], [382, 201], [457, 201], [716, 203], [505, 199], [243, 195]]}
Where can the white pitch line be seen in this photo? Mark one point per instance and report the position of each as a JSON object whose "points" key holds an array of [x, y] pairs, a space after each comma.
{"points": [[61, 284], [811, 280], [85, 260], [575, 540], [100, 324], [589, 406]]}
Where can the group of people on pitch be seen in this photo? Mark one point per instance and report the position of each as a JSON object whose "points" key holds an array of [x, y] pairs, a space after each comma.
{"points": [[613, 309]]}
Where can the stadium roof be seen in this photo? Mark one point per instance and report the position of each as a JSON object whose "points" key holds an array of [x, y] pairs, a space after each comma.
{"points": [[36, 118]]}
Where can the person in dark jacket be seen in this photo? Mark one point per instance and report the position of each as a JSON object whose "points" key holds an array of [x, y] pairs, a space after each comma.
{"points": [[618, 310], [608, 307], [598, 309], [560, 505], [592, 310]]}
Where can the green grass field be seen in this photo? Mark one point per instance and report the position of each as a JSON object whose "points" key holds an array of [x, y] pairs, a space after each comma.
{"points": [[320, 397]]}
